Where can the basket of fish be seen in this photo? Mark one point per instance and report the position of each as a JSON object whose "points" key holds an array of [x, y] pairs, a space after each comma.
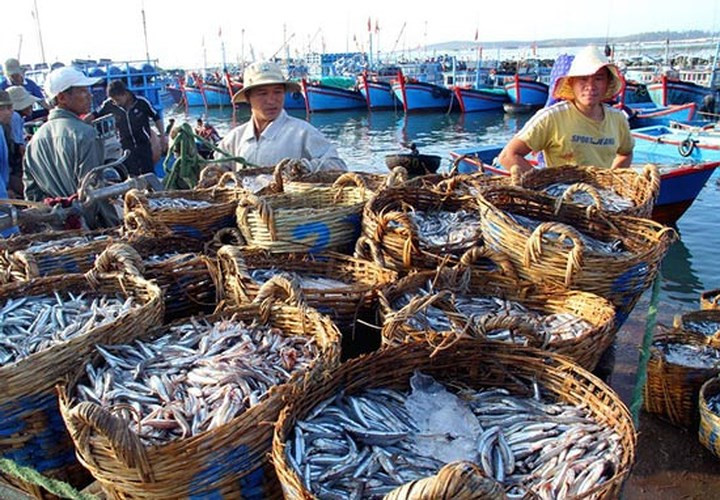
{"points": [[193, 214], [709, 430], [678, 366], [50, 253], [182, 411], [531, 420], [704, 323], [315, 220], [441, 307], [619, 191], [334, 284], [616, 257], [458, 184], [415, 227], [709, 299], [188, 280], [48, 328]]}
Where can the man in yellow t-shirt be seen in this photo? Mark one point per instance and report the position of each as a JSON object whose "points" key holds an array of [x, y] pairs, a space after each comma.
{"points": [[580, 129]]}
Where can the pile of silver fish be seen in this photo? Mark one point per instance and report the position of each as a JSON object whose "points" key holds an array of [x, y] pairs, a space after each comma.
{"points": [[64, 243], [688, 355], [367, 444], [551, 327], [713, 403], [256, 183], [160, 258], [592, 244], [440, 227], [194, 378], [610, 200], [33, 324], [309, 281], [176, 203], [705, 327]]}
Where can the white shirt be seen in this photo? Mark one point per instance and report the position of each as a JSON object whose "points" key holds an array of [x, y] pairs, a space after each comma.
{"points": [[284, 137]]}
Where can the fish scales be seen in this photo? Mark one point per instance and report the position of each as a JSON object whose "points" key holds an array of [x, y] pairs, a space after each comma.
{"points": [[306, 280], [176, 203]]}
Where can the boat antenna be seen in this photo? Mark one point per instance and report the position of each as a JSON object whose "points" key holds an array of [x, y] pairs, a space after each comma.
{"points": [[147, 50], [36, 16], [19, 46]]}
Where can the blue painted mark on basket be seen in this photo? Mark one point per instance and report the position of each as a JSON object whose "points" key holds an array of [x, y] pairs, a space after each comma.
{"points": [[222, 464], [186, 230], [355, 221], [626, 288], [252, 485], [48, 264], [318, 229]]}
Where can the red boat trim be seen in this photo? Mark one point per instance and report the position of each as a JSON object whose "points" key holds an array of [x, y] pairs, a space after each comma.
{"points": [[303, 84], [459, 96], [660, 140], [401, 80], [364, 83]]}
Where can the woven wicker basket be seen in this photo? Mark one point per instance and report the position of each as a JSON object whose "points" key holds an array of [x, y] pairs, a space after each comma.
{"points": [[316, 220], [641, 189], [31, 431], [459, 184], [476, 364], [709, 299], [691, 323], [362, 279], [230, 461], [199, 223], [671, 390], [619, 278], [189, 281], [19, 264], [455, 480], [387, 224], [709, 430], [584, 350]]}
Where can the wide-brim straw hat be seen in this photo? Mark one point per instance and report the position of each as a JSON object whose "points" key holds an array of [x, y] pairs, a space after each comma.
{"points": [[263, 73], [21, 98], [588, 62]]}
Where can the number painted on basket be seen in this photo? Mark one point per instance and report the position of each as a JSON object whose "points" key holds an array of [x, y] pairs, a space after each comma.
{"points": [[318, 229], [221, 465]]}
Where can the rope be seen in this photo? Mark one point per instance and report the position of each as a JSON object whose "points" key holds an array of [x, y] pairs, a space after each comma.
{"points": [[54, 486], [637, 396], [184, 171]]}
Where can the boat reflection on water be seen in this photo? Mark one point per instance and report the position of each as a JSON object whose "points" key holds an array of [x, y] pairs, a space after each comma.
{"points": [[681, 284]]}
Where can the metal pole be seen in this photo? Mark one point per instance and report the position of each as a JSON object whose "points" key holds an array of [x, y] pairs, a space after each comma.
{"points": [[147, 50], [37, 21]]}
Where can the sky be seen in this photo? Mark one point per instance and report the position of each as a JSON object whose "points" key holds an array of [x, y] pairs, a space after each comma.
{"points": [[178, 30]]}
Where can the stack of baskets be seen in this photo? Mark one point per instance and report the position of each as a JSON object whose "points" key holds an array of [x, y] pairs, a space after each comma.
{"points": [[228, 460], [563, 261], [31, 431]]}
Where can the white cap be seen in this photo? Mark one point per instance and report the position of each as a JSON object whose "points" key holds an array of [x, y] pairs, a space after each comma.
{"points": [[61, 79], [21, 98]]}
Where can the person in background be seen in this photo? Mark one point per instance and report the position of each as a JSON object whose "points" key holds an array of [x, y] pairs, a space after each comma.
{"points": [[206, 131], [580, 129], [65, 148], [6, 111], [15, 75], [169, 127], [23, 103], [271, 134], [132, 118]]}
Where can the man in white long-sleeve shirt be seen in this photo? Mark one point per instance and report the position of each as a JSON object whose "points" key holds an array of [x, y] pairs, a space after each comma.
{"points": [[271, 134]]}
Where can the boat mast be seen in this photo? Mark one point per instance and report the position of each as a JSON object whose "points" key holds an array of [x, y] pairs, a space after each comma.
{"points": [[714, 64], [36, 15], [19, 46], [147, 50]]}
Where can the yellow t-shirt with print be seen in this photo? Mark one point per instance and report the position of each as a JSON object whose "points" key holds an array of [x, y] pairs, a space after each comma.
{"points": [[567, 137]]}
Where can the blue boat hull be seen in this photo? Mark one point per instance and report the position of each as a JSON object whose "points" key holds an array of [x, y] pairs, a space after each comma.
{"points": [[194, 97], [422, 96], [666, 92], [378, 95], [471, 100], [651, 116], [680, 181], [320, 97], [294, 100], [526, 92], [217, 96]]}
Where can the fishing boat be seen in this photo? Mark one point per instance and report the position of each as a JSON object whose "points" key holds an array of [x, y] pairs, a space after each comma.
{"points": [[525, 95], [666, 90], [216, 94], [294, 100], [694, 143], [416, 95], [322, 97], [681, 179], [480, 99], [634, 92], [649, 115], [378, 92]]}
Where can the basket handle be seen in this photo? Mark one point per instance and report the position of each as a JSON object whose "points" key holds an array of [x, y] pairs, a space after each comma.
{"points": [[533, 247], [579, 187], [405, 226], [264, 209], [396, 178], [233, 273], [652, 173], [491, 322], [517, 176], [209, 176], [450, 184], [124, 442], [367, 249], [281, 287], [349, 179], [119, 257], [226, 178], [454, 480], [290, 167], [134, 199], [224, 236], [475, 253]]}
